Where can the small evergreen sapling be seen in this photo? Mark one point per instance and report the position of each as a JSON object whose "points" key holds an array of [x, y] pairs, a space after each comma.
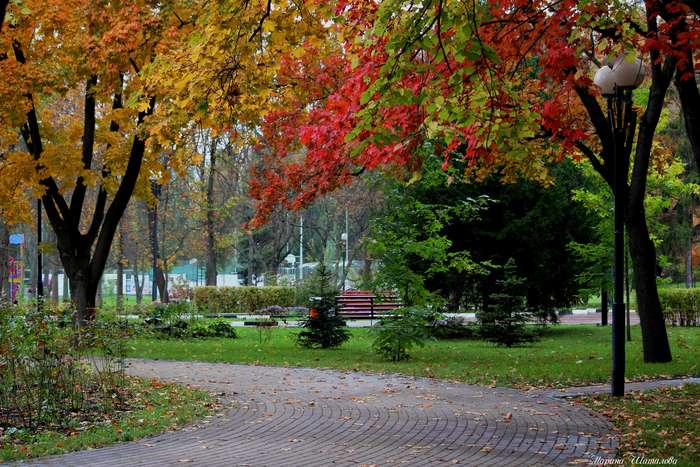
{"points": [[405, 329], [503, 320], [322, 328]]}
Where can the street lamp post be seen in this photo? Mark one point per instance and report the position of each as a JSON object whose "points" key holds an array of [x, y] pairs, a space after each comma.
{"points": [[616, 82]]}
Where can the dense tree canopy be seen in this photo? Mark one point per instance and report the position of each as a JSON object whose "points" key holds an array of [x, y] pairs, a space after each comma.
{"points": [[452, 237], [103, 100], [506, 86], [80, 84]]}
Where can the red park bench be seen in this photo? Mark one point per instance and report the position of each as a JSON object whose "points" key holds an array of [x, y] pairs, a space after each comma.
{"points": [[363, 304]]}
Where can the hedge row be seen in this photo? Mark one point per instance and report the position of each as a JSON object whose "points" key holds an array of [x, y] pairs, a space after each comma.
{"points": [[249, 300], [681, 306]]}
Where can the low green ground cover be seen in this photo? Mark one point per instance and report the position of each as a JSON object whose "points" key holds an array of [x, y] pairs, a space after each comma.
{"points": [[659, 424], [565, 356], [152, 408]]}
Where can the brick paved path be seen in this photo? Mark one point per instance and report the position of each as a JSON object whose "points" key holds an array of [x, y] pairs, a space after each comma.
{"points": [[307, 417], [638, 386]]}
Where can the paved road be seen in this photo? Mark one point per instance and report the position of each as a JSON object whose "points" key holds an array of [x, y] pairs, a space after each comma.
{"points": [[310, 417]]}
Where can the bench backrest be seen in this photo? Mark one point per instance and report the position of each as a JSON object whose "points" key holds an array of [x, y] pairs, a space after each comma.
{"points": [[363, 303]]}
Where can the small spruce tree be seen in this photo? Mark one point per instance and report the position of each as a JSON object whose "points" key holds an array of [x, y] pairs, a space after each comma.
{"points": [[322, 328], [504, 318]]}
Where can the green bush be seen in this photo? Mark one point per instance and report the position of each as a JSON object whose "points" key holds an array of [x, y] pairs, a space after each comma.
{"points": [[52, 374], [248, 300], [397, 334], [681, 307], [221, 328], [453, 327], [177, 320], [169, 319]]}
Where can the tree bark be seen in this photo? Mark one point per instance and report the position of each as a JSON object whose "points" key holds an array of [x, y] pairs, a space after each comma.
{"points": [[4, 261], [54, 284], [83, 292], [251, 259], [120, 269], [3, 8], [158, 288], [84, 255], [689, 265], [138, 285], [604, 307], [98, 294], [210, 221], [654, 339]]}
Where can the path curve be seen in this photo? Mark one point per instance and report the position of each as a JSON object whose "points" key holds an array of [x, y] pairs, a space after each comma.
{"points": [[317, 417]]}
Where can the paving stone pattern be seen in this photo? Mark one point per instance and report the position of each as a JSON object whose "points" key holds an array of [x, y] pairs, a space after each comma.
{"points": [[312, 417], [636, 386]]}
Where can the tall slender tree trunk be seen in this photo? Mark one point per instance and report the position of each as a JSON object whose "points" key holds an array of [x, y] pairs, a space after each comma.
{"points": [[158, 279], [65, 295], [689, 255], [54, 283], [99, 302], [120, 268], [654, 339], [251, 258], [4, 260], [32, 249], [138, 284], [689, 267], [604, 307], [52, 263], [211, 245]]}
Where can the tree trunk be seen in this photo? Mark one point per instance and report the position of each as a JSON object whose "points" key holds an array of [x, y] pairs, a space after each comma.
{"points": [[211, 244], [84, 254], [3, 9], [83, 293], [120, 287], [162, 283], [158, 288], [654, 339], [617, 145], [137, 286], [153, 235], [52, 263], [54, 283], [251, 259], [98, 294], [604, 307], [367, 270], [65, 297], [5, 260], [120, 268], [689, 96], [689, 267]]}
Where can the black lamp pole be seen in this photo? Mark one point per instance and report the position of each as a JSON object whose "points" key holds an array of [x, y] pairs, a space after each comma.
{"points": [[622, 121], [616, 81]]}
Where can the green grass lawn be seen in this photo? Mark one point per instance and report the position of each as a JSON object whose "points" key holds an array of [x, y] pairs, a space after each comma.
{"points": [[565, 356], [154, 408], [658, 424]]}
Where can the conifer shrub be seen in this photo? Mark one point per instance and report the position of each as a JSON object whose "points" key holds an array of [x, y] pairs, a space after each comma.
{"points": [[406, 328], [505, 316], [323, 327]]}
